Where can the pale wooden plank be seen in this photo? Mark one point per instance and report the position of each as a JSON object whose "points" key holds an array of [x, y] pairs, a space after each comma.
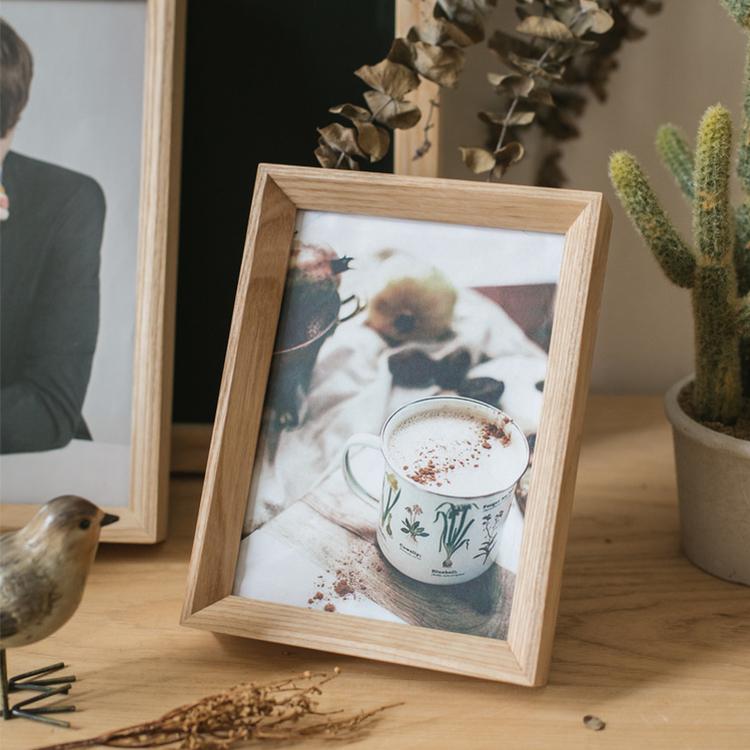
{"points": [[552, 486], [427, 199], [238, 413], [406, 142], [157, 267], [189, 447]]}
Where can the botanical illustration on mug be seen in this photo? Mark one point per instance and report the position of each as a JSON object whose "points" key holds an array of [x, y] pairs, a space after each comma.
{"points": [[401, 414]]}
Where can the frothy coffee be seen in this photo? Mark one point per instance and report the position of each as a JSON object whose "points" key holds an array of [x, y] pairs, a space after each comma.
{"points": [[458, 449]]}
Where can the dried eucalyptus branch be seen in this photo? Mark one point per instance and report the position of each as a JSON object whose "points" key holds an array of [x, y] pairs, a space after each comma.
{"points": [[553, 34], [564, 46], [279, 710], [587, 72], [431, 50], [426, 144]]}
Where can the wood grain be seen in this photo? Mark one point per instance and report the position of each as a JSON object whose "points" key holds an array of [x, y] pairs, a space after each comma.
{"points": [[238, 413], [552, 486], [479, 204], [406, 142], [189, 447], [282, 191], [157, 268], [651, 644], [144, 520]]}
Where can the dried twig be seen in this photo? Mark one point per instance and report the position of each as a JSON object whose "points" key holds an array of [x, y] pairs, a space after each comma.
{"points": [[247, 712], [426, 144]]}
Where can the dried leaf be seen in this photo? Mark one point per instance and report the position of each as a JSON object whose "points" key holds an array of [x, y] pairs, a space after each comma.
{"points": [[502, 118], [531, 67], [550, 173], [438, 31], [326, 156], [484, 6], [542, 96], [594, 723], [440, 64], [330, 158], [388, 77], [503, 44], [521, 56], [478, 160], [557, 124], [351, 111], [514, 84], [374, 141], [545, 27], [509, 154], [394, 113], [597, 20], [401, 52], [337, 147], [465, 16], [650, 7], [467, 6]]}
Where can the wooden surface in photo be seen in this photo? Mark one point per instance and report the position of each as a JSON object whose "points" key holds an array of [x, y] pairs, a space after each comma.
{"points": [[645, 640], [144, 520], [280, 191]]}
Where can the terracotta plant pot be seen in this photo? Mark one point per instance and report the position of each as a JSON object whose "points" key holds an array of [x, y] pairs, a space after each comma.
{"points": [[713, 484]]}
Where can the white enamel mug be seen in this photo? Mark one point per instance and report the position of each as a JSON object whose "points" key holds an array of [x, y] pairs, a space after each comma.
{"points": [[427, 534]]}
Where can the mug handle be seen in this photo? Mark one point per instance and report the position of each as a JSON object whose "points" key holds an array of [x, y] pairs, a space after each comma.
{"points": [[368, 441], [359, 305]]}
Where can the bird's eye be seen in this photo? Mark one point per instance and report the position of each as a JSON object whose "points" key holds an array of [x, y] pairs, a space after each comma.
{"points": [[84, 524]]}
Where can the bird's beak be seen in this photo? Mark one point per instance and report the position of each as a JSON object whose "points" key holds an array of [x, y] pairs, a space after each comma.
{"points": [[109, 518]]}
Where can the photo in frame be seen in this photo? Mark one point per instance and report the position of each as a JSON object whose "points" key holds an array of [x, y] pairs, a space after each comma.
{"points": [[396, 442], [92, 100]]}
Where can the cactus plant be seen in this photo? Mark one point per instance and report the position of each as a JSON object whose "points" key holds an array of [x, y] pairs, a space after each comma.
{"points": [[717, 267]]}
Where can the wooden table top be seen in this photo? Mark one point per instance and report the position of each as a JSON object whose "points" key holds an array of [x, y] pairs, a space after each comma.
{"points": [[652, 645]]}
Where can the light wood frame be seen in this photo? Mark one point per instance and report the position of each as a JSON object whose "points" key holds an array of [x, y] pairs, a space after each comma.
{"points": [[144, 520], [280, 192]]}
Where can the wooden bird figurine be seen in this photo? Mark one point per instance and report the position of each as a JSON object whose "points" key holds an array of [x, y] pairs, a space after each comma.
{"points": [[43, 571]]}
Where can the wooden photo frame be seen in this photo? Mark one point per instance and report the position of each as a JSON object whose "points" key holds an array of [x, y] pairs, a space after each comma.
{"points": [[582, 220], [141, 482]]}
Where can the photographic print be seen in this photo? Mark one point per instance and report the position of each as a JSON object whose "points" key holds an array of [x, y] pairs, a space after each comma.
{"points": [[77, 246], [393, 460], [402, 408]]}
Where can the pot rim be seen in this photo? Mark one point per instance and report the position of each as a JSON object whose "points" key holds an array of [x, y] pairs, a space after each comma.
{"points": [[695, 430]]}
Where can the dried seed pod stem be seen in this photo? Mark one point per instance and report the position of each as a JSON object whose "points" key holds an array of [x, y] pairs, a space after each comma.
{"points": [[278, 710]]}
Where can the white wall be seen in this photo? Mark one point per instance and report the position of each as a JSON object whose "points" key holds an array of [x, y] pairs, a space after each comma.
{"points": [[85, 113], [692, 57]]}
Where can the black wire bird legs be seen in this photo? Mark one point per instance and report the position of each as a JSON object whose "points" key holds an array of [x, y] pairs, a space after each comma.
{"points": [[38, 681]]}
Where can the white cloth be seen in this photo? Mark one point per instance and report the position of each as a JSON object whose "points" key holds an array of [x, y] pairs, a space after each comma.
{"points": [[351, 391]]}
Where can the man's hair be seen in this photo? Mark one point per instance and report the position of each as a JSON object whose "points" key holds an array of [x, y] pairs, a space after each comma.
{"points": [[16, 69]]}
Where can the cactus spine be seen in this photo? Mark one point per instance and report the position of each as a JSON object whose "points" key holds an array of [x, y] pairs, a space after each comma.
{"points": [[717, 268]]}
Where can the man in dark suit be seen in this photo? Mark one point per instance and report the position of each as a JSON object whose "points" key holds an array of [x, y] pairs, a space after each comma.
{"points": [[49, 280]]}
